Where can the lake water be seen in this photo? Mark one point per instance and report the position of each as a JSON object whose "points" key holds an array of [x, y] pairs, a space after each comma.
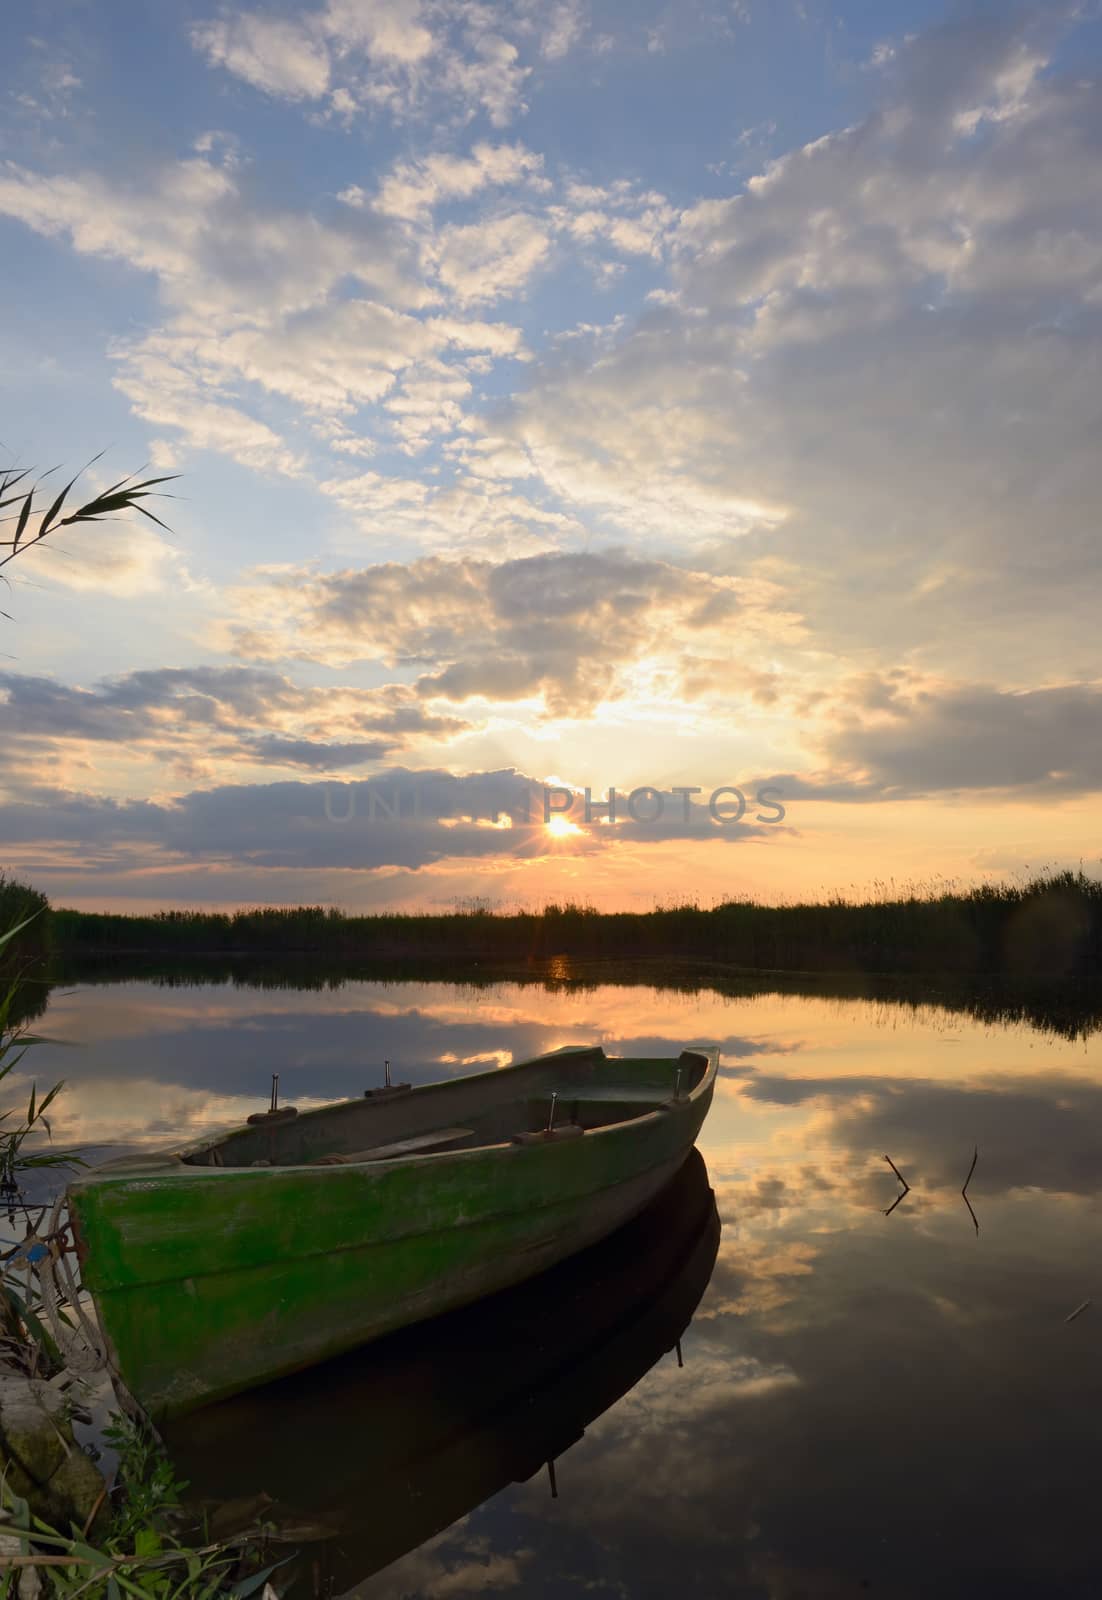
{"points": [[867, 1404]]}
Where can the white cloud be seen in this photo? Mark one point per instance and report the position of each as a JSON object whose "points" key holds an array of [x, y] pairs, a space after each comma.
{"points": [[122, 560], [564, 28], [413, 188], [212, 249], [280, 57], [472, 514], [482, 261], [388, 54], [254, 297], [490, 78], [427, 402], [386, 30], [644, 232], [167, 397]]}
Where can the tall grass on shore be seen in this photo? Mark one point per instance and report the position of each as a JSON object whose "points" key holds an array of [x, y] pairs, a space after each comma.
{"points": [[20, 904], [1049, 926]]}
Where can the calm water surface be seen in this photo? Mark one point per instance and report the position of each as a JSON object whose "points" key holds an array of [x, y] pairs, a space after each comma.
{"points": [[867, 1404]]}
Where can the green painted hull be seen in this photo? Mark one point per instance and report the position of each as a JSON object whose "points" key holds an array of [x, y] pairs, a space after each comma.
{"points": [[209, 1279], [399, 1435]]}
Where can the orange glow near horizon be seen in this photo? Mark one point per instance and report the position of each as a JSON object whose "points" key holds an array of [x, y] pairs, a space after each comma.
{"points": [[562, 828]]}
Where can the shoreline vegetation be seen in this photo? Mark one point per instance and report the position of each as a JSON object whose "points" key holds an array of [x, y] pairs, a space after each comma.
{"points": [[1029, 953], [1048, 927]]}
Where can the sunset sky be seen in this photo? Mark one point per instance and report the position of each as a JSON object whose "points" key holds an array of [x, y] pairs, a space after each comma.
{"points": [[601, 394]]}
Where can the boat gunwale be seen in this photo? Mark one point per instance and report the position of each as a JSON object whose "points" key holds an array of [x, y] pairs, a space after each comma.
{"points": [[171, 1162]]}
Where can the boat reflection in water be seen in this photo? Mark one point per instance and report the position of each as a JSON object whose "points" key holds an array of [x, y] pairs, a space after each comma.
{"points": [[391, 1444]]}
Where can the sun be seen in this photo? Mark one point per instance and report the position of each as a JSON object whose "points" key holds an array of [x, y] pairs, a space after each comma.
{"points": [[561, 828]]}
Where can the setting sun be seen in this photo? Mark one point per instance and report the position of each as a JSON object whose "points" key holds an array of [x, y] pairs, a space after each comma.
{"points": [[561, 828]]}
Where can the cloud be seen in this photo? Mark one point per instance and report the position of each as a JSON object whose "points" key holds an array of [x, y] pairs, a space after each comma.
{"points": [[164, 392], [271, 750], [388, 31], [634, 222], [1037, 1133], [564, 28], [875, 368], [901, 737], [332, 359], [398, 818], [490, 76], [471, 514], [123, 561], [205, 718], [327, 316], [259, 300], [213, 246], [566, 628], [394, 55], [280, 57], [429, 401], [413, 188], [482, 261]]}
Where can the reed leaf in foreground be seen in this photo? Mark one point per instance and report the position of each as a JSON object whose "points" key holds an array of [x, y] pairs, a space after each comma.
{"points": [[15, 1041], [125, 495]]}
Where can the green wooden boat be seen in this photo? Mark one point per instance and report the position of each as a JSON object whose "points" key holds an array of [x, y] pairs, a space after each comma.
{"points": [[273, 1246], [402, 1438]]}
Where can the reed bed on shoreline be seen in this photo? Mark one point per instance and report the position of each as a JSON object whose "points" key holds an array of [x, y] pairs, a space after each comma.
{"points": [[1050, 925]]}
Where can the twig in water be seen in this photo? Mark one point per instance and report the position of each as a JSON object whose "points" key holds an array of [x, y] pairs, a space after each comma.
{"points": [[964, 1191], [897, 1172], [906, 1189], [1078, 1310]]}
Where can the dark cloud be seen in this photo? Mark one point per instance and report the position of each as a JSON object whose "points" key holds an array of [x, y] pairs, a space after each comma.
{"points": [[894, 738], [402, 817], [277, 752], [217, 711], [979, 737]]}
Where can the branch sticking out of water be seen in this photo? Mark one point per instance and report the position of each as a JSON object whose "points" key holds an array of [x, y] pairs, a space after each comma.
{"points": [[906, 1189], [964, 1191]]}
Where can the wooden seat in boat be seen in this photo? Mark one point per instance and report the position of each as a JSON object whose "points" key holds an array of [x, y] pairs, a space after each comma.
{"points": [[421, 1144]]}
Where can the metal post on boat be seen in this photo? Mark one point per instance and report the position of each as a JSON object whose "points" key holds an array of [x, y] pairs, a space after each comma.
{"points": [[551, 1477], [677, 1085], [551, 1113], [275, 1092], [386, 1069]]}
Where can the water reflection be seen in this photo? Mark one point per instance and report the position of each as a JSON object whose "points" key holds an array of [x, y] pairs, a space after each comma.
{"points": [[895, 1405], [418, 1429], [1065, 1009]]}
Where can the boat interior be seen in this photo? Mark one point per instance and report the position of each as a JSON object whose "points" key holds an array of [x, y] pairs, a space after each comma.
{"points": [[557, 1097]]}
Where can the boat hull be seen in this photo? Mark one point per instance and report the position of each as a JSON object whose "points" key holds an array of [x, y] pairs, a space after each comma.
{"points": [[397, 1433], [208, 1285]]}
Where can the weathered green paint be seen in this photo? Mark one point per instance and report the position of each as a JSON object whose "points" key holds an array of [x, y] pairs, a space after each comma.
{"points": [[419, 1428], [210, 1279]]}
